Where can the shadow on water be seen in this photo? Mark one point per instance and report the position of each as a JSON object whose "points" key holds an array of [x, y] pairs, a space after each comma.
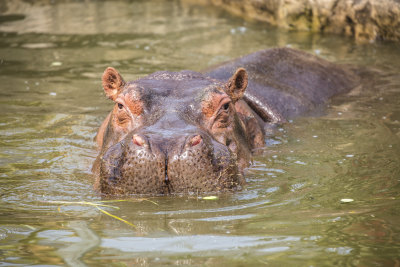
{"points": [[52, 55]]}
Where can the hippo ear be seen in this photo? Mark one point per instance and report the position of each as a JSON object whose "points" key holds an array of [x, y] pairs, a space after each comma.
{"points": [[237, 84], [112, 83]]}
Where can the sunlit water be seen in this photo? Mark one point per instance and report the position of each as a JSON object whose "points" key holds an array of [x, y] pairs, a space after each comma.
{"points": [[290, 213]]}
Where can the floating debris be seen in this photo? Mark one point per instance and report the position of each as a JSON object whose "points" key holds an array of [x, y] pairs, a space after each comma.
{"points": [[346, 200], [210, 198], [100, 204], [38, 45], [30, 227], [56, 63]]}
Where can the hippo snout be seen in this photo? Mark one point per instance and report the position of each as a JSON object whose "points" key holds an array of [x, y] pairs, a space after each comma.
{"points": [[150, 164]]}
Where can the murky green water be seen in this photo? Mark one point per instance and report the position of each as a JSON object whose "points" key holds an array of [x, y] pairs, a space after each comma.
{"points": [[51, 104]]}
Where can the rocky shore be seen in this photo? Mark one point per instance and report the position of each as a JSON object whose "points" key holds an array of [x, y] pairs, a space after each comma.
{"points": [[365, 20]]}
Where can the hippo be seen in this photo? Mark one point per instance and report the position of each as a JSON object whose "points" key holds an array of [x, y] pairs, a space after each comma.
{"points": [[194, 133]]}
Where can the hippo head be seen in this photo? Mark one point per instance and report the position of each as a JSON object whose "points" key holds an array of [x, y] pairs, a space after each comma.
{"points": [[172, 132]]}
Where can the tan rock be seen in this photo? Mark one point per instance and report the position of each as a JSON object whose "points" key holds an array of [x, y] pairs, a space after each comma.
{"points": [[366, 20]]}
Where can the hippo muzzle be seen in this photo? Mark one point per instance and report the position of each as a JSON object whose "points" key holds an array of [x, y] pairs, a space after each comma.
{"points": [[141, 164]]}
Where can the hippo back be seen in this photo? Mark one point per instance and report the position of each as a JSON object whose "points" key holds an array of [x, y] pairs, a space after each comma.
{"points": [[290, 82]]}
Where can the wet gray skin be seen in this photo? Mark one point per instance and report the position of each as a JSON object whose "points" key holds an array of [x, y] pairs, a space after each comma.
{"points": [[187, 132]]}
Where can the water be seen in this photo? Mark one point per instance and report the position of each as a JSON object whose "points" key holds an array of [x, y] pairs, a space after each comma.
{"points": [[52, 56]]}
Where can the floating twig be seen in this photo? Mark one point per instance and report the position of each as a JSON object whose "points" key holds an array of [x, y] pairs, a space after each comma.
{"points": [[99, 205]]}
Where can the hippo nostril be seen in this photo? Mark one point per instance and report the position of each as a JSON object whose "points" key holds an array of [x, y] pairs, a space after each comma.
{"points": [[195, 140], [137, 140]]}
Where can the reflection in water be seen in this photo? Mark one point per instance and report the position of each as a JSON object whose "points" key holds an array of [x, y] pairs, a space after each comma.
{"points": [[51, 59], [88, 240], [196, 244]]}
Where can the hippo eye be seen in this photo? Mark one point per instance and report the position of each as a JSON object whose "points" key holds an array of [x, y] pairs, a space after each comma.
{"points": [[120, 106], [226, 106]]}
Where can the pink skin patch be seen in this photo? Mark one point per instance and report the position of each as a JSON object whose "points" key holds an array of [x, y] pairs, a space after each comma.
{"points": [[137, 140], [212, 104], [195, 140], [133, 103]]}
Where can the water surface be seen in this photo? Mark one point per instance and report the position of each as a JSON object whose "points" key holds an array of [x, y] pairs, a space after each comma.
{"points": [[52, 56]]}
